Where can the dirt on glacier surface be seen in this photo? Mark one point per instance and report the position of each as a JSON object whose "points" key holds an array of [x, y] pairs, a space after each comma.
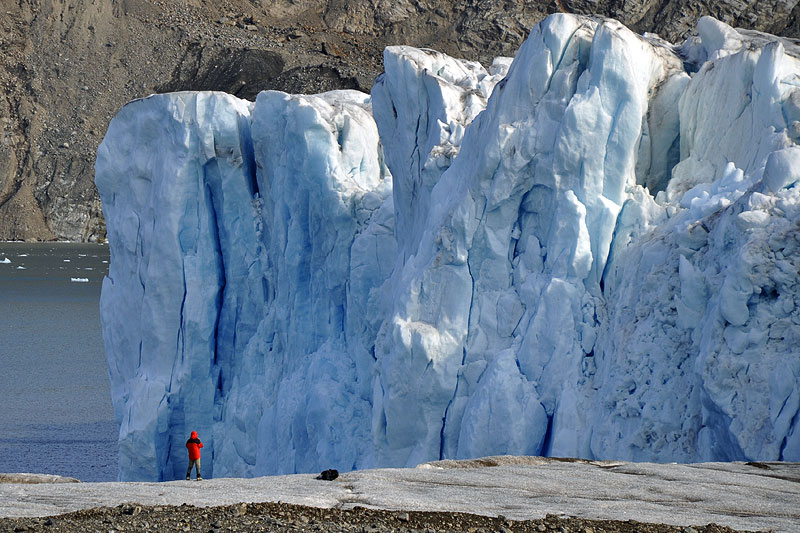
{"points": [[489, 494]]}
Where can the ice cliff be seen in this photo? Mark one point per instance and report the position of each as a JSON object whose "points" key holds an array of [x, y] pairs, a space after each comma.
{"points": [[590, 251]]}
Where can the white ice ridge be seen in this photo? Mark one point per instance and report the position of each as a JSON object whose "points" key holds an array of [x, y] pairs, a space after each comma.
{"points": [[589, 252]]}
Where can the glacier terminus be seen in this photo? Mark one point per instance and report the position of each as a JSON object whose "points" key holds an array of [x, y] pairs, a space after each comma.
{"points": [[591, 250]]}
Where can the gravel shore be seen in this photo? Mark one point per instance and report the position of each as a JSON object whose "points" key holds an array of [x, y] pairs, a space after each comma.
{"points": [[287, 517]]}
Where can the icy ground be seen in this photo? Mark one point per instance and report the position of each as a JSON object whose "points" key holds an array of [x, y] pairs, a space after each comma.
{"points": [[743, 496]]}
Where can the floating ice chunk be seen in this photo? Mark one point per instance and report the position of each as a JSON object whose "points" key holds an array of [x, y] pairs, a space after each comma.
{"points": [[21, 268], [79, 280], [5, 261]]}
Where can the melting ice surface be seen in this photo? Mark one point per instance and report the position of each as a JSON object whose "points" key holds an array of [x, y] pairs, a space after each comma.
{"points": [[590, 251]]}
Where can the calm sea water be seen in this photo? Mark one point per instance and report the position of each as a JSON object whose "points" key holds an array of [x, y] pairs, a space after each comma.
{"points": [[55, 404]]}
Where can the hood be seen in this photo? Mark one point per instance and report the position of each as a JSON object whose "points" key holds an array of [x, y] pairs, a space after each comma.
{"points": [[194, 434]]}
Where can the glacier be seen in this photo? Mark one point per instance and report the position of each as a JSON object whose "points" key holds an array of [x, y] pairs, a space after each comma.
{"points": [[590, 250]]}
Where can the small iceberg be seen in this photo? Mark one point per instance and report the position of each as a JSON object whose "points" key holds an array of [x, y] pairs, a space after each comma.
{"points": [[5, 261], [79, 280], [21, 268]]}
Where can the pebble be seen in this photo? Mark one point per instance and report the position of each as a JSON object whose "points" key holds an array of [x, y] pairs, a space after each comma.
{"points": [[285, 517]]}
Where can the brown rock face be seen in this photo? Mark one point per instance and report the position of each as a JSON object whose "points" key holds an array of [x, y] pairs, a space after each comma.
{"points": [[67, 66]]}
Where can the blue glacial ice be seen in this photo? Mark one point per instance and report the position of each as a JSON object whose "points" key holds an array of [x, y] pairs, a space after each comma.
{"points": [[589, 251]]}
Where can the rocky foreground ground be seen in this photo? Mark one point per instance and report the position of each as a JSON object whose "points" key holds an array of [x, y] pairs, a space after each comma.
{"points": [[287, 517], [502, 493]]}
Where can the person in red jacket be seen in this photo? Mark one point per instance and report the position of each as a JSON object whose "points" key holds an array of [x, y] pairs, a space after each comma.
{"points": [[194, 445]]}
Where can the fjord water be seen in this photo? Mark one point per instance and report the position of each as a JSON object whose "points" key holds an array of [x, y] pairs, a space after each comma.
{"points": [[55, 406]]}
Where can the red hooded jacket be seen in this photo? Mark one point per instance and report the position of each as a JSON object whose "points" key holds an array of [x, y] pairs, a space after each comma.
{"points": [[194, 445]]}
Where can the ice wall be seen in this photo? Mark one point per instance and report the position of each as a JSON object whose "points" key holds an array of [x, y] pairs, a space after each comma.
{"points": [[179, 189], [497, 313], [301, 393], [701, 308], [249, 242], [587, 252]]}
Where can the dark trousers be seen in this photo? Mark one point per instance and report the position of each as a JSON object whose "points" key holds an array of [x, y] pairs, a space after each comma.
{"points": [[196, 464]]}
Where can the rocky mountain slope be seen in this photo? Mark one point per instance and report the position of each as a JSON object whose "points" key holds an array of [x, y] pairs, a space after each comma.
{"points": [[67, 66]]}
